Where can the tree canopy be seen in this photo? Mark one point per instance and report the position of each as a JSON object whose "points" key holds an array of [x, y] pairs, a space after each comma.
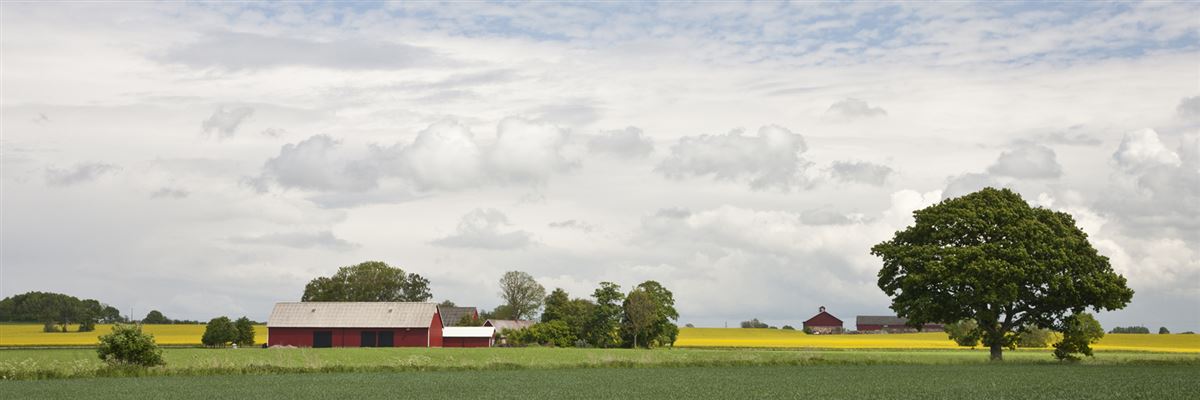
{"points": [[368, 281], [522, 294], [155, 317], [661, 329], [56, 310], [990, 257]]}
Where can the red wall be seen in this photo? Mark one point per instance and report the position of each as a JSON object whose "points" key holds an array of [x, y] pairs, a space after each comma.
{"points": [[467, 342], [435, 330], [347, 337]]}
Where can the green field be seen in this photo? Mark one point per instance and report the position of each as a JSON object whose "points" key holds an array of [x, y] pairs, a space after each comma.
{"points": [[82, 363], [978, 381]]}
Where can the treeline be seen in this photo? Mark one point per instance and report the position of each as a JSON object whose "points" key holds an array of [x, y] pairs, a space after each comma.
{"points": [[643, 317], [754, 323], [57, 311]]}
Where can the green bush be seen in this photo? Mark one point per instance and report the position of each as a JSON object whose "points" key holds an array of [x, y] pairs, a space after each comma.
{"points": [[755, 323], [966, 332], [88, 325], [1162, 330], [1034, 337], [788, 328], [244, 328], [1130, 329], [1079, 332], [554, 333], [127, 345]]}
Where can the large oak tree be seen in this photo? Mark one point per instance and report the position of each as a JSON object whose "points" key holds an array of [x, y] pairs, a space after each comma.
{"points": [[368, 281], [990, 257]]}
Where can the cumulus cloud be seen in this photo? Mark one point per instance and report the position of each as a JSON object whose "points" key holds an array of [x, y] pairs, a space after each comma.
{"points": [[528, 150], [316, 164], [300, 240], [968, 183], [79, 173], [1029, 161], [273, 132], [770, 160], [236, 50], [860, 172], [1142, 149], [443, 156], [851, 109], [626, 143], [224, 122], [169, 193], [485, 229]]}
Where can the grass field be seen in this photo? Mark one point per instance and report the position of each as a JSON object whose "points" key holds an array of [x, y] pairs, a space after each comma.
{"points": [[776, 338], [78, 363], [980, 381], [32, 335]]}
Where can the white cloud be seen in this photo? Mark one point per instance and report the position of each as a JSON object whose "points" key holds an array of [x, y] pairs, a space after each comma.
{"points": [[626, 143], [302, 240], [443, 156], [317, 164], [485, 229], [1189, 107], [860, 172], [528, 151], [238, 50], [852, 109], [769, 160], [1141, 149], [224, 122], [1029, 161]]}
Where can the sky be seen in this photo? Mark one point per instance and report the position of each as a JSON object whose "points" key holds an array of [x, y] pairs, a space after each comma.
{"points": [[209, 159]]}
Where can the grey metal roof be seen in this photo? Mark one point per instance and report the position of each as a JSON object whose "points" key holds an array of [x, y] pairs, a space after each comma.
{"points": [[502, 324], [890, 320], [352, 315], [451, 315]]}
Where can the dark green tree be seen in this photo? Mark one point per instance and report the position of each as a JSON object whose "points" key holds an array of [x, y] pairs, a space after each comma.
{"points": [[219, 332], [1079, 332], [245, 331], [522, 294], [603, 330], [990, 257], [964, 332], [155, 317], [754, 323], [368, 281], [555, 304], [640, 313], [1162, 330]]}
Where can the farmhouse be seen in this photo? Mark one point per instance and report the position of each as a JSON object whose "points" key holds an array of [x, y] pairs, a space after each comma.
{"points": [[452, 315], [354, 324], [890, 324], [824, 322], [468, 336]]}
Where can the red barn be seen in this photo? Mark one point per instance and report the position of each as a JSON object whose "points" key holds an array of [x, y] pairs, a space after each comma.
{"points": [[468, 336], [354, 324], [824, 322], [891, 324]]}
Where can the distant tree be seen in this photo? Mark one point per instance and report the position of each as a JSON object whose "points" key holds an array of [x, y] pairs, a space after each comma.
{"points": [[368, 281], [754, 323], [469, 320], [155, 317], [446, 303], [244, 329], [965, 333], [502, 311], [1034, 337], [219, 332], [110, 315], [689, 325], [662, 330], [640, 312], [126, 344], [522, 294], [603, 330], [788, 328], [990, 257], [556, 303], [1162, 330], [1130, 329], [1079, 332]]}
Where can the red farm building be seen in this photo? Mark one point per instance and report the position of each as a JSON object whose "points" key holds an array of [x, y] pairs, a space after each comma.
{"points": [[823, 322], [468, 336], [357, 324], [891, 324]]}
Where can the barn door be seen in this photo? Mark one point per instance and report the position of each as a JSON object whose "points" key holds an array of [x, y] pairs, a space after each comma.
{"points": [[323, 339], [368, 339], [386, 339]]}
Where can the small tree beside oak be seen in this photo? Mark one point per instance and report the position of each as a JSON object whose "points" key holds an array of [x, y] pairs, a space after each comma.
{"points": [[990, 257]]}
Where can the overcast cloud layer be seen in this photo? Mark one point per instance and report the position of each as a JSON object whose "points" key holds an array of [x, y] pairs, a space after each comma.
{"points": [[210, 159]]}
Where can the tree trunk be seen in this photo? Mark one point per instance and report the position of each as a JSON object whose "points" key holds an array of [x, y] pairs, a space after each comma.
{"points": [[997, 351], [635, 335]]}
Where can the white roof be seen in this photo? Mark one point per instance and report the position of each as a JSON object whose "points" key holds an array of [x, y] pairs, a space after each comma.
{"points": [[468, 331], [352, 315]]}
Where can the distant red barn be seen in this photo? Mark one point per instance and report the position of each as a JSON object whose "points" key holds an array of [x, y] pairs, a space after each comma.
{"points": [[891, 324], [354, 324], [824, 322]]}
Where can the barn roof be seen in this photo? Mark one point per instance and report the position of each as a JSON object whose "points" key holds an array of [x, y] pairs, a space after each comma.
{"points": [[351, 315], [451, 315], [468, 331], [891, 320], [502, 324], [822, 318]]}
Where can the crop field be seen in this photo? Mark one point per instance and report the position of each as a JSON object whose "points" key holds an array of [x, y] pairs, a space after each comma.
{"points": [[980, 381], [776, 338], [31, 335]]}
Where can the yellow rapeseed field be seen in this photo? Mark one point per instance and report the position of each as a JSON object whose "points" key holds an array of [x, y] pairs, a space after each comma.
{"points": [[32, 335], [776, 338]]}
